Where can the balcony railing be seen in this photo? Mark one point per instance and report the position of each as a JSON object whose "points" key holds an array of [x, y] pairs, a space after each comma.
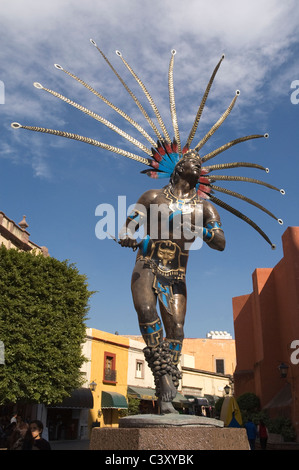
{"points": [[110, 375]]}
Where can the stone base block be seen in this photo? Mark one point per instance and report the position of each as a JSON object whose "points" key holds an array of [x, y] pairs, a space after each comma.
{"points": [[169, 438]]}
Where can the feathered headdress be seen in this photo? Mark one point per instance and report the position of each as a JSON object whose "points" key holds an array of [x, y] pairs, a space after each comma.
{"points": [[165, 152]]}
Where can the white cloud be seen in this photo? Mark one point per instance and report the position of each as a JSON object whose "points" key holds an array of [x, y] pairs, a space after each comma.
{"points": [[256, 36]]}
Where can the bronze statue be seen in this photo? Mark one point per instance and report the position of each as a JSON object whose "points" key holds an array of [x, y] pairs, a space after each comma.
{"points": [[160, 269]]}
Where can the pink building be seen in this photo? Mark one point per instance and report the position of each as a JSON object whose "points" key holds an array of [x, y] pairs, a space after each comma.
{"points": [[267, 334]]}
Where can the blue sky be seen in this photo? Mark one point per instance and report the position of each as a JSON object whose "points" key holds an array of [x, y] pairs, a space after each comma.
{"points": [[58, 183]]}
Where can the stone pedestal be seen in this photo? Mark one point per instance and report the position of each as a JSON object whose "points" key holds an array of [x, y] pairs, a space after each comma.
{"points": [[168, 432]]}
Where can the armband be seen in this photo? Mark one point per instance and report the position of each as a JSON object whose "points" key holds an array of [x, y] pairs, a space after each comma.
{"points": [[209, 230], [214, 225], [208, 235]]}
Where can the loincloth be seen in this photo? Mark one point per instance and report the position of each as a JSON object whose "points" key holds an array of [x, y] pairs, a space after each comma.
{"points": [[168, 264]]}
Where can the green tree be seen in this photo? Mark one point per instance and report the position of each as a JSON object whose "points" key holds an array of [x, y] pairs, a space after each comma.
{"points": [[249, 402], [43, 308], [133, 405]]}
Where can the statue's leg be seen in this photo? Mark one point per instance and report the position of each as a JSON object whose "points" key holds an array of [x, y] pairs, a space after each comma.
{"points": [[157, 352], [145, 303], [174, 322], [174, 328]]}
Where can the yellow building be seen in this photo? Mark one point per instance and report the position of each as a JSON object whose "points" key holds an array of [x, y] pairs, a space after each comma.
{"points": [[108, 374], [115, 369]]}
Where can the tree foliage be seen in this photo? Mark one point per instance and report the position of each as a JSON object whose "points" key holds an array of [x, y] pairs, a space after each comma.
{"points": [[133, 405], [249, 402], [43, 308]]}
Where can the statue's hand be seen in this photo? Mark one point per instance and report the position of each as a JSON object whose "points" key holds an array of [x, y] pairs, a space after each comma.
{"points": [[128, 242], [126, 239]]}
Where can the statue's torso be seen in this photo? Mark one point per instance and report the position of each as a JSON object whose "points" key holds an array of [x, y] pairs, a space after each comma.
{"points": [[170, 230]]}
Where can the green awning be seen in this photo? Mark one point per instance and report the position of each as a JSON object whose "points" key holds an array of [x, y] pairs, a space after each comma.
{"points": [[113, 400], [150, 394], [179, 399], [142, 393], [80, 398]]}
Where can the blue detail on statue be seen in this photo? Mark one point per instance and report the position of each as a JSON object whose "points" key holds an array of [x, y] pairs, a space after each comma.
{"points": [[163, 289], [166, 166], [134, 216], [152, 333], [175, 346], [206, 234], [144, 244], [207, 231], [214, 224], [174, 157], [173, 214], [164, 294], [150, 328]]}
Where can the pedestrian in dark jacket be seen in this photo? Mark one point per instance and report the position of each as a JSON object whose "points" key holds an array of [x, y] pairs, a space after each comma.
{"points": [[34, 439], [251, 433]]}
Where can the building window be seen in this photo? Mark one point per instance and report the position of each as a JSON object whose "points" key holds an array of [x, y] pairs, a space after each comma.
{"points": [[109, 368], [139, 369], [220, 366]]}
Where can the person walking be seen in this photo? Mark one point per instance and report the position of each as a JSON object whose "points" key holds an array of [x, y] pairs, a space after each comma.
{"points": [[251, 433], [263, 434], [16, 440]]}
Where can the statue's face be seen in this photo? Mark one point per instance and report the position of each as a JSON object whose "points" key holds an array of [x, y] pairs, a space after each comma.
{"points": [[189, 168]]}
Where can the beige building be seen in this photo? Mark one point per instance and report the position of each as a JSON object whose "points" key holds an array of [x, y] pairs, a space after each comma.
{"points": [[200, 383], [215, 353], [139, 374], [13, 235]]}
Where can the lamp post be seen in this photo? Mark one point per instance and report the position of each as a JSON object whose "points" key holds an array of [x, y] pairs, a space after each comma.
{"points": [[93, 386], [226, 389], [283, 369]]}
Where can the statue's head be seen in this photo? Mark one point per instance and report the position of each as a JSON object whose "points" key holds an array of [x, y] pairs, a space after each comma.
{"points": [[188, 168]]}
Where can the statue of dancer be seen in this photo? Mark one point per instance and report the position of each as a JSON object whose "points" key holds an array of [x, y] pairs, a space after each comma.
{"points": [[160, 268], [161, 262]]}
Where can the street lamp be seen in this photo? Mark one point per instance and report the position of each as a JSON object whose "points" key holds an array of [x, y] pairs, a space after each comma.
{"points": [[93, 386], [227, 389], [283, 369]]}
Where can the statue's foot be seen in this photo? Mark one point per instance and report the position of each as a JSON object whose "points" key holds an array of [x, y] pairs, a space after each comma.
{"points": [[166, 407], [167, 394], [167, 389]]}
